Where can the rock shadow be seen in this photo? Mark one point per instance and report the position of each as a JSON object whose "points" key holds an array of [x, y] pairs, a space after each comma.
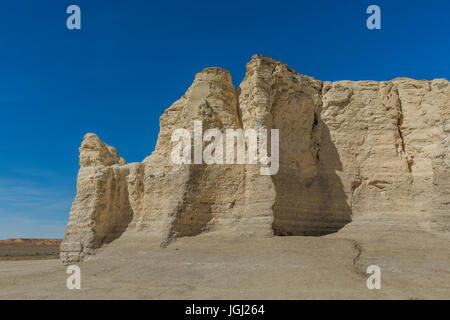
{"points": [[310, 198], [114, 216], [194, 212]]}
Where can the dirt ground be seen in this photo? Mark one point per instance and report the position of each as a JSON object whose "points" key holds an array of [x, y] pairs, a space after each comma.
{"points": [[29, 249], [414, 265]]}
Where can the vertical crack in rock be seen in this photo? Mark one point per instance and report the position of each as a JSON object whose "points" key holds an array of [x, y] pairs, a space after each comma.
{"points": [[400, 133]]}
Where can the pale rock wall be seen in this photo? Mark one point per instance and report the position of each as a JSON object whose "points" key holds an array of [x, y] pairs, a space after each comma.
{"points": [[440, 208], [349, 151], [101, 210], [184, 200], [386, 134]]}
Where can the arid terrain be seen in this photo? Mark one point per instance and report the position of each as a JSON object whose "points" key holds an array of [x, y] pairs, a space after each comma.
{"points": [[414, 265], [29, 249], [361, 177]]}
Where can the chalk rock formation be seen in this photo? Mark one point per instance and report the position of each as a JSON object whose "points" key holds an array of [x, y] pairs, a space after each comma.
{"points": [[349, 151]]}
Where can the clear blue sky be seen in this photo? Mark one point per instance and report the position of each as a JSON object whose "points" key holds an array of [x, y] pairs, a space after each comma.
{"points": [[132, 59]]}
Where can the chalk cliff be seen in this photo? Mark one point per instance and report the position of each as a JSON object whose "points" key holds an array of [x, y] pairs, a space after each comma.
{"points": [[349, 151]]}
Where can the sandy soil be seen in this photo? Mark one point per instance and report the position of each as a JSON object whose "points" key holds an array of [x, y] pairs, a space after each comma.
{"points": [[414, 265]]}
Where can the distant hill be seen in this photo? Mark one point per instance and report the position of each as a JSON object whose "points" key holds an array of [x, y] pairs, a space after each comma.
{"points": [[35, 242]]}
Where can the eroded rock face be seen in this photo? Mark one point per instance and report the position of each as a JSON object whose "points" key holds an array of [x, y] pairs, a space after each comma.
{"points": [[101, 210], [349, 151]]}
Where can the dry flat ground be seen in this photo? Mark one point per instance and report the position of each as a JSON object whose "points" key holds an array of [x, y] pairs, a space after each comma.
{"points": [[29, 249], [414, 265]]}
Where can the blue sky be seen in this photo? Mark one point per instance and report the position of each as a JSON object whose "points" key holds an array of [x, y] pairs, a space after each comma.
{"points": [[132, 59]]}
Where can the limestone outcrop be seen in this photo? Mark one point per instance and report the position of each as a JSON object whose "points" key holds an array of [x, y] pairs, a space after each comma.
{"points": [[348, 151]]}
